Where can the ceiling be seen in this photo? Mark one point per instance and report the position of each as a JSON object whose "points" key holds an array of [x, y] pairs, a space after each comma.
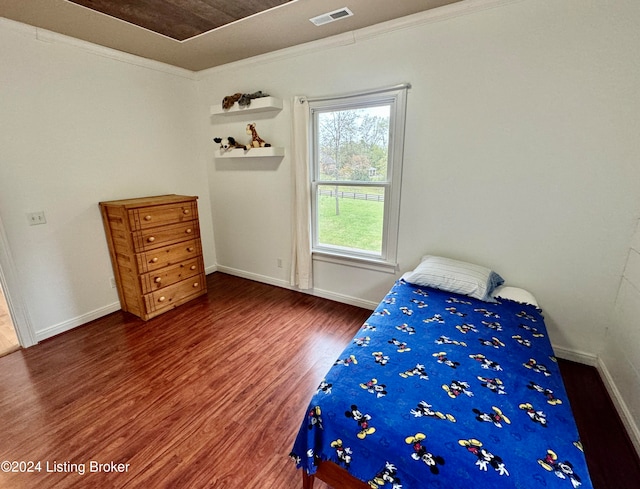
{"points": [[182, 19], [201, 34]]}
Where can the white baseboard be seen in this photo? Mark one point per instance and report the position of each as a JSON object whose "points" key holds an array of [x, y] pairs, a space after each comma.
{"points": [[325, 294], [576, 356], [64, 326], [345, 299], [76, 321], [621, 407], [253, 276], [614, 393], [623, 411]]}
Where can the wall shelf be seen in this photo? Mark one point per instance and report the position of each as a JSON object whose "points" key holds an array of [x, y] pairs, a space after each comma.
{"points": [[263, 104], [252, 153]]}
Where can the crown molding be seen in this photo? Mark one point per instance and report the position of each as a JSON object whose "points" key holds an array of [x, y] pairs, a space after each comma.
{"points": [[438, 14], [338, 40], [19, 27], [51, 37]]}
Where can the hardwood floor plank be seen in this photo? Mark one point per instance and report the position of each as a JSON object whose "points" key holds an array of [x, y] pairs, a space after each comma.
{"points": [[209, 395]]}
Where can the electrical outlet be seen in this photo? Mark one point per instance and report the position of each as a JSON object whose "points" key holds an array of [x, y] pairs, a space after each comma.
{"points": [[112, 281], [279, 262], [36, 218]]}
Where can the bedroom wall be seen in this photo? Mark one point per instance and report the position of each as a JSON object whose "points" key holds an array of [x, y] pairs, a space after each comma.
{"points": [[620, 360], [521, 151], [80, 124]]}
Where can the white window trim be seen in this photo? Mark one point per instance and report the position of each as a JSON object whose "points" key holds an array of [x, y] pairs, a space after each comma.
{"points": [[397, 96]]}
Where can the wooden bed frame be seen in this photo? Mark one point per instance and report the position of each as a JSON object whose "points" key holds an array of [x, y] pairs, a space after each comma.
{"points": [[334, 476]]}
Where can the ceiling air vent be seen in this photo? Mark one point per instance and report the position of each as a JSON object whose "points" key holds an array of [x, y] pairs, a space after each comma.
{"points": [[332, 16]]}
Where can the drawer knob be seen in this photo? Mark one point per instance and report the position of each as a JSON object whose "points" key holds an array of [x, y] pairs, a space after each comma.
{"points": [[147, 218], [162, 299], [190, 248], [154, 260], [151, 239], [192, 267], [158, 280], [195, 284], [186, 211], [188, 231]]}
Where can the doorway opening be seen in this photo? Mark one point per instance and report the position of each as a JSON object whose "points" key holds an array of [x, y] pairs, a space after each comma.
{"points": [[8, 338]]}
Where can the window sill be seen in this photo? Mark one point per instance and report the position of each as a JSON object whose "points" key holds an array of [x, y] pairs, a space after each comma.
{"points": [[353, 261]]}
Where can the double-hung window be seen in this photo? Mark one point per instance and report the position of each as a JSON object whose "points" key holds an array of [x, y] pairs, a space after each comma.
{"points": [[356, 157]]}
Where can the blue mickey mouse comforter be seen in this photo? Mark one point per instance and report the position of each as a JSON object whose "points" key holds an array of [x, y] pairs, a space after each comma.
{"points": [[440, 390]]}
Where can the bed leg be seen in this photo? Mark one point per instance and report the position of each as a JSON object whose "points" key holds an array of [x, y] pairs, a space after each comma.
{"points": [[307, 480]]}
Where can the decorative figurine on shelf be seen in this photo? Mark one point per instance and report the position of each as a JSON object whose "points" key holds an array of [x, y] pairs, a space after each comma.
{"points": [[227, 144], [246, 98], [229, 100], [256, 141], [243, 99]]}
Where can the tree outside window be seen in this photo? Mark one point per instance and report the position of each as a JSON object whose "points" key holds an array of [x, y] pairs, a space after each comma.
{"points": [[356, 164]]}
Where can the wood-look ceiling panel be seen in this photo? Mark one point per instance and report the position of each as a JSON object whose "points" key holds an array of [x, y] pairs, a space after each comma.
{"points": [[179, 19]]}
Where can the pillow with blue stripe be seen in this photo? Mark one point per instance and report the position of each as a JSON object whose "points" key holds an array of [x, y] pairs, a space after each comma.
{"points": [[455, 276]]}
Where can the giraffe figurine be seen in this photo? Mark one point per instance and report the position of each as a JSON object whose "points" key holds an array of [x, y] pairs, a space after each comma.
{"points": [[256, 141]]}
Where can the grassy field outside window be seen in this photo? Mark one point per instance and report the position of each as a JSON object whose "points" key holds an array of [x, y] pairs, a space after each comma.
{"points": [[356, 151], [359, 222]]}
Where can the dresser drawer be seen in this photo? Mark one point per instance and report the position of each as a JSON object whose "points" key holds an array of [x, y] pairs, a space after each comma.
{"points": [[174, 294], [168, 255], [160, 215], [152, 238], [170, 275]]}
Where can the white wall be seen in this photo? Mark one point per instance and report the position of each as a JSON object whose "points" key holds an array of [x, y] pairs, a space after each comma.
{"points": [[620, 360], [521, 151], [79, 126]]}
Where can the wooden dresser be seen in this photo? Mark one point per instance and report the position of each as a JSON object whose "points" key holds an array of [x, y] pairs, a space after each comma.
{"points": [[156, 252]]}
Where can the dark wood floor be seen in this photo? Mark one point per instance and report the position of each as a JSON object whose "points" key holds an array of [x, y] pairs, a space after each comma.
{"points": [[613, 462], [210, 396]]}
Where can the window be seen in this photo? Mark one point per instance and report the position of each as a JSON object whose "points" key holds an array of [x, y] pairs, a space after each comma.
{"points": [[356, 158]]}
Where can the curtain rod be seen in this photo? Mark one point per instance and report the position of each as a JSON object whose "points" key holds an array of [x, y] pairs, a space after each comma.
{"points": [[401, 86]]}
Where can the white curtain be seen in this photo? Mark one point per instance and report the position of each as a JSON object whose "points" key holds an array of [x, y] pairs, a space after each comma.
{"points": [[301, 263]]}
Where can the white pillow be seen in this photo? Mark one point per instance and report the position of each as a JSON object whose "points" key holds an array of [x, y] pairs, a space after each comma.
{"points": [[455, 276], [515, 294]]}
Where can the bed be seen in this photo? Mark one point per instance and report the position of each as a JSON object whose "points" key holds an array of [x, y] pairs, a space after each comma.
{"points": [[451, 383]]}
